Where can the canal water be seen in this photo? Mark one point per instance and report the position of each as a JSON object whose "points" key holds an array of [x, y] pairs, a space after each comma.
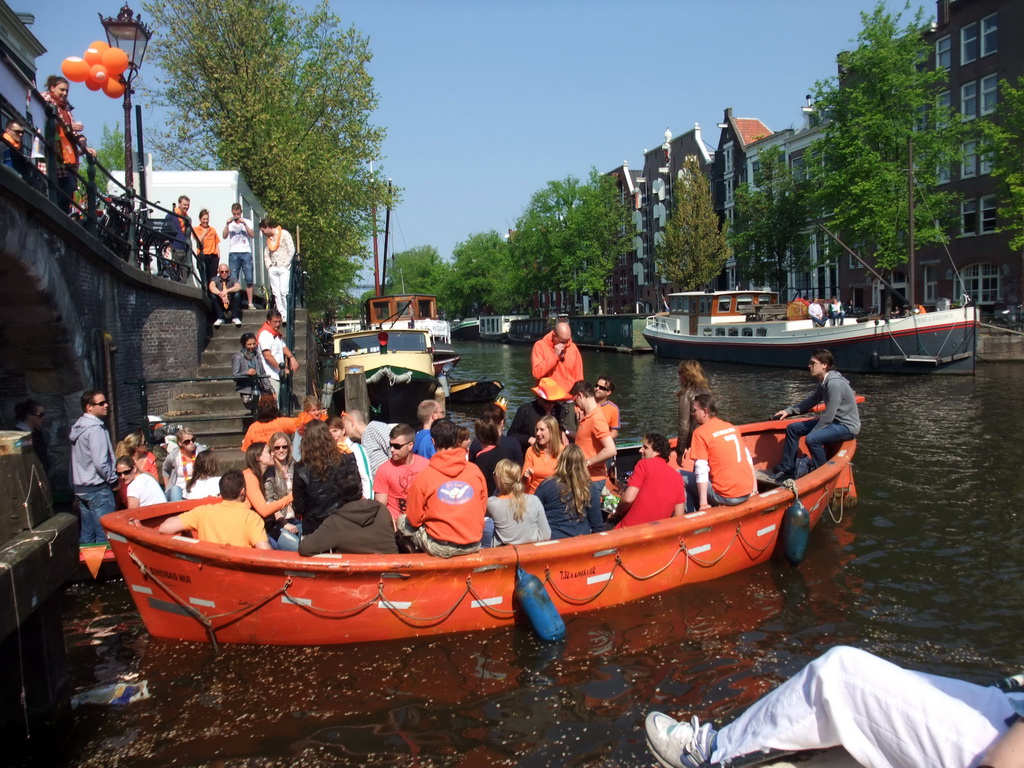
{"points": [[926, 571]]}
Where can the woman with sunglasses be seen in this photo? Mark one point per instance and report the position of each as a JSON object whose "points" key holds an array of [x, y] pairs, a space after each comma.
{"points": [[277, 480], [180, 463], [257, 462], [135, 447], [141, 490], [542, 456], [205, 480]]}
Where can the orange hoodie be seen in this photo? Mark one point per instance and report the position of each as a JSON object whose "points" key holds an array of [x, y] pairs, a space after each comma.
{"points": [[449, 497]]}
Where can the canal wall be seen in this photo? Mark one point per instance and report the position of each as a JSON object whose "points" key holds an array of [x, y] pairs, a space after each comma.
{"points": [[997, 345]]}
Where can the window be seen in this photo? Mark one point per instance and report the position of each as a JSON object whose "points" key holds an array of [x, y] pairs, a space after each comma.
{"points": [[728, 192], [942, 174], [943, 51], [984, 158], [968, 217], [969, 43], [988, 214], [989, 93], [748, 331], [942, 108], [968, 101], [727, 156], [931, 284], [969, 167], [724, 305], [989, 34], [733, 332], [980, 282]]}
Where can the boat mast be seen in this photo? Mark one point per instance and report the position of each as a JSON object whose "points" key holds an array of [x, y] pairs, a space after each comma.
{"points": [[376, 263], [387, 232], [910, 210]]}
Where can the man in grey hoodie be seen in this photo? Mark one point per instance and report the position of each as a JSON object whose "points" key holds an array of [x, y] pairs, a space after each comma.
{"points": [[840, 420], [92, 466]]}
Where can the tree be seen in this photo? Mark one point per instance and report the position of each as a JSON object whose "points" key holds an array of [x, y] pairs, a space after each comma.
{"points": [[110, 152], [476, 276], [769, 235], [694, 249], [283, 96], [881, 100], [1004, 147], [569, 236], [417, 270]]}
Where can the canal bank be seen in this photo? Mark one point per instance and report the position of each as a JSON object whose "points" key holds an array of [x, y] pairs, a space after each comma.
{"points": [[1000, 345]]}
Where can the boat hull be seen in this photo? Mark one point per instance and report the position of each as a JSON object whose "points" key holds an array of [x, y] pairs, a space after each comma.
{"points": [[466, 330], [934, 342], [192, 590], [484, 391]]}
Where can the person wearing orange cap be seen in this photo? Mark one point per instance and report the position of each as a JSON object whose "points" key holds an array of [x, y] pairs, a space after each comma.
{"points": [[550, 397]]}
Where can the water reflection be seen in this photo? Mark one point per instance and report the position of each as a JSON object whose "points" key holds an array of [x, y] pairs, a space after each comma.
{"points": [[926, 570]]}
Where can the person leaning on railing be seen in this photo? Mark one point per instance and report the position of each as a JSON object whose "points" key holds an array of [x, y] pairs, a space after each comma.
{"points": [[71, 142]]}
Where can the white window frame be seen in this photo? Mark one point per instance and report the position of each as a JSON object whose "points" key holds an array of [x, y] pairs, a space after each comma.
{"points": [[987, 215], [727, 158], [969, 40], [989, 96], [988, 42], [984, 159], [968, 228], [982, 282], [929, 275], [969, 100], [943, 52], [943, 103], [969, 166]]}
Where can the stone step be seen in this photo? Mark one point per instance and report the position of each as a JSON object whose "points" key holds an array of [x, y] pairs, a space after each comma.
{"points": [[226, 339], [218, 362], [193, 405], [210, 424]]}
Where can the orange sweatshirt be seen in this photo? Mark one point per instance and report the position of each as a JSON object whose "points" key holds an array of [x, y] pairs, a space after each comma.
{"points": [[449, 497]]}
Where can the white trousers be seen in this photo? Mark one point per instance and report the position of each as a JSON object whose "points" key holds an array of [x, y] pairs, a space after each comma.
{"points": [[280, 284], [885, 716]]}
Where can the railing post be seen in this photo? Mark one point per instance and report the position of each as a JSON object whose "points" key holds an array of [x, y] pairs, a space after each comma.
{"points": [[133, 231], [90, 195], [144, 405]]}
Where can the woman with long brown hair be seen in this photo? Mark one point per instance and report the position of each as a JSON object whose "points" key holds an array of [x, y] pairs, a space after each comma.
{"points": [[205, 479], [571, 502], [542, 457], [692, 382], [257, 461], [315, 482], [70, 142]]}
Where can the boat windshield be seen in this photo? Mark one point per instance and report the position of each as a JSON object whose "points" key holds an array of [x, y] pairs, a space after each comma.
{"points": [[368, 343]]}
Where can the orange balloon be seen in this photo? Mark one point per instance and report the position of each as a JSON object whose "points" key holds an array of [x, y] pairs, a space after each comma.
{"points": [[94, 53], [98, 74], [75, 69], [92, 85], [114, 88], [115, 60]]}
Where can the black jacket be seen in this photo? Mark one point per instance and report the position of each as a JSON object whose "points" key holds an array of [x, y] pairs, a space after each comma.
{"points": [[312, 499]]}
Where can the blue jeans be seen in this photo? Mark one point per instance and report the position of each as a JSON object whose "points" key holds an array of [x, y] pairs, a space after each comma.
{"points": [[93, 505], [174, 493], [488, 537], [714, 499], [240, 263], [816, 441]]}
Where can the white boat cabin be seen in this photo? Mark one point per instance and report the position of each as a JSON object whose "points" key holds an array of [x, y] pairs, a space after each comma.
{"points": [[726, 314], [407, 311]]}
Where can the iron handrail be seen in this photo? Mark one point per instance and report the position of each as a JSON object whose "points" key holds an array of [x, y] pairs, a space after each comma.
{"points": [[144, 398]]}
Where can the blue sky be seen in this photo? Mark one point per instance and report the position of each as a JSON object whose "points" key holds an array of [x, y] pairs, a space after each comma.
{"points": [[485, 101]]}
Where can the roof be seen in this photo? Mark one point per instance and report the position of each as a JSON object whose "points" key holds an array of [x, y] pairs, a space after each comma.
{"points": [[750, 129]]}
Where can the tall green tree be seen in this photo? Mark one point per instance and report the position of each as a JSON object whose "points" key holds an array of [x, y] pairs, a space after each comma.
{"points": [[694, 249], [283, 95], [769, 235], [475, 278], [1004, 147], [416, 270], [881, 100], [570, 235]]}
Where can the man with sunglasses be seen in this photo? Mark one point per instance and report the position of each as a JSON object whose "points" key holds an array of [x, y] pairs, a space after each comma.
{"points": [[392, 481], [225, 297], [92, 466], [14, 156], [602, 392]]}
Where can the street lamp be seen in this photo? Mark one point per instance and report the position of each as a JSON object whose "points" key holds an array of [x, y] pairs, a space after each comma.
{"points": [[128, 33]]}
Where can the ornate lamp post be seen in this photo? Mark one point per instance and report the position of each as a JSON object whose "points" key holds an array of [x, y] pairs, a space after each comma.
{"points": [[128, 33]]}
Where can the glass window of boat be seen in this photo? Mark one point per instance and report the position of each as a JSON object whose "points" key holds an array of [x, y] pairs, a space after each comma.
{"points": [[407, 342], [745, 303], [680, 304], [719, 331], [764, 298], [748, 331], [733, 332], [705, 305], [762, 331], [724, 304], [426, 308], [404, 308], [381, 310], [707, 330]]}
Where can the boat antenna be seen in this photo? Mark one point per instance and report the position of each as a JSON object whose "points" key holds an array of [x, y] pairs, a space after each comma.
{"points": [[387, 233], [910, 214], [863, 263], [376, 262]]}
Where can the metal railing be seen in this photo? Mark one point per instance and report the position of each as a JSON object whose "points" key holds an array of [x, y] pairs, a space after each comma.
{"points": [[148, 426]]}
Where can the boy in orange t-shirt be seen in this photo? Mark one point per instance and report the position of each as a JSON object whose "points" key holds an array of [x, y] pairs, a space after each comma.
{"points": [[723, 470], [592, 434]]}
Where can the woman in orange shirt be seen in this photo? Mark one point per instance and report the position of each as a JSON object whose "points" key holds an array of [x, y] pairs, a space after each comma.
{"points": [[257, 461], [542, 457], [209, 244]]}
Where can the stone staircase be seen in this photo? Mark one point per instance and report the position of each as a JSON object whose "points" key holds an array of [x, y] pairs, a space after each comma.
{"points": [[212, 408]]}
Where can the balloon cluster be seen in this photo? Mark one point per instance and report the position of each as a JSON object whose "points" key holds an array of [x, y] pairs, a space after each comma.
{"points": [[100, 68]]}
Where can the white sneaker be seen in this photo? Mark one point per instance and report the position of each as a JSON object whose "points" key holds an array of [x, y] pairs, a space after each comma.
{"points": [[218, 322], [236, 321], [680, 744]]}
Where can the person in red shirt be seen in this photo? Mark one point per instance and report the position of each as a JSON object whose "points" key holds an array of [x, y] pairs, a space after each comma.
{"points": [[723, 470], [655, 491], [444, 514], [394, 477], [592, 434]]}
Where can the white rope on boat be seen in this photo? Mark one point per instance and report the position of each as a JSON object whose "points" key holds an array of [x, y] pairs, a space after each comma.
{"points": [[391, 376]]}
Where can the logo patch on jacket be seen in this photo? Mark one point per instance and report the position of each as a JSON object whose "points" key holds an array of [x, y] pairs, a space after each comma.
{"points": [[455, 492]]}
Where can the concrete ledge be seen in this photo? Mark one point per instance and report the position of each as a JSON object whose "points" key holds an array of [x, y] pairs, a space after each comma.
{"points": [[36, 563]]}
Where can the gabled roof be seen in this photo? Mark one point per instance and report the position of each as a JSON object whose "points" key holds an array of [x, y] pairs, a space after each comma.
{"points": [[750, 129]]}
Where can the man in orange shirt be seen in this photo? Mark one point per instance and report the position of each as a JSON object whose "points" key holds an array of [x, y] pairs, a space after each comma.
{"points": [[723, 470], [593, 436], [229, 522], [555, 356]]}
